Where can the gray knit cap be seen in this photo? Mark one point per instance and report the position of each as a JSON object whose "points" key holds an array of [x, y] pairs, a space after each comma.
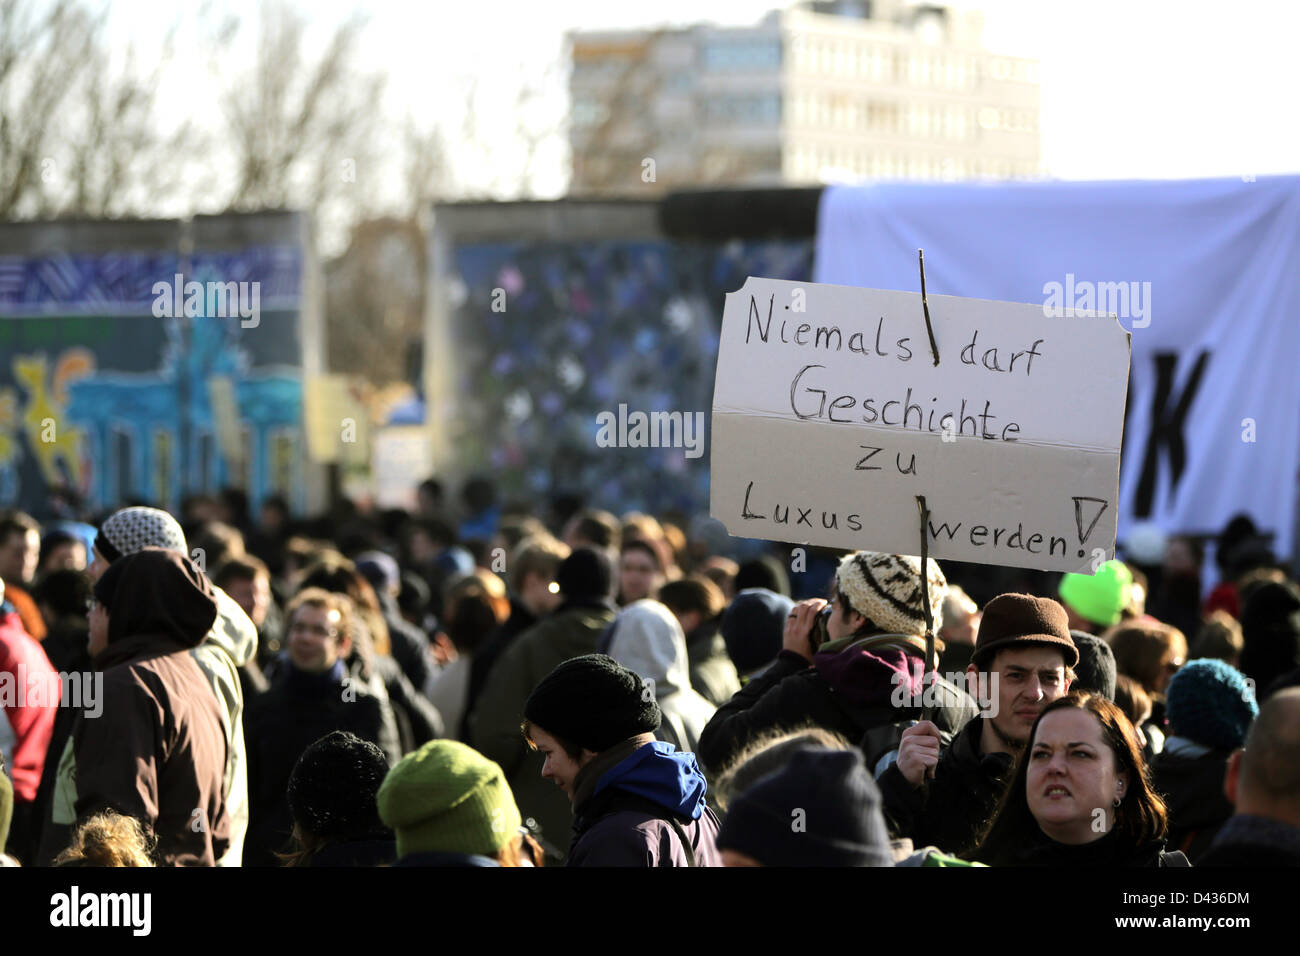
{"points": [[133, 529]]}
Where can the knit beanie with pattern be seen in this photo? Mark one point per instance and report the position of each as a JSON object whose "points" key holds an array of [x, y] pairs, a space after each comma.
{"points": [[131, 529], [886, 589]]}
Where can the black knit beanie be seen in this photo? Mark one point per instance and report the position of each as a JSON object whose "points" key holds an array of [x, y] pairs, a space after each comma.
{"points": [[593, 702], [586, 574], [1096, 667], [821, 809], [333, 786]]}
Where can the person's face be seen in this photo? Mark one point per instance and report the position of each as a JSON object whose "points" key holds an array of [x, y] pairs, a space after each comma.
{"points": [[1028, 679], [253, 595], [638, 577], [316, 640], [97, 566], [18, 556], [840, 624], [98, 628], [557, 766], [538, 594], [1072, 781], [69, 556]]}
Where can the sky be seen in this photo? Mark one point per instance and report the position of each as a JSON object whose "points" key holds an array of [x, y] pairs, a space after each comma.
{"points": [[1130, 88]]}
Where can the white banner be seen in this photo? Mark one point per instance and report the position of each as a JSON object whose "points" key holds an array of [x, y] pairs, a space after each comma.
{"points": [[830, 418], [1205, 274]]}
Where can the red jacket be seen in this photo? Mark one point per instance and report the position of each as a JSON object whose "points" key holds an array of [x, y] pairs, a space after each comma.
{"points": [[29, 701]]}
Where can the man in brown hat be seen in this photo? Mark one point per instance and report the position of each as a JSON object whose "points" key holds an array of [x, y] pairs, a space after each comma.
{"points": [[1025, 657]]}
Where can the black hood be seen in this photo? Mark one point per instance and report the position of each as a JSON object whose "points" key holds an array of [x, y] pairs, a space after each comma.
{"points": [[156, 591]]}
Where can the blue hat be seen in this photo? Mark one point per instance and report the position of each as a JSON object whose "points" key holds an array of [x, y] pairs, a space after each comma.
{"points": [[1212, 703], [379, 569]]}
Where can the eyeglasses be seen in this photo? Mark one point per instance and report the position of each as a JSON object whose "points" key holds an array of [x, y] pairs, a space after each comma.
{"points": [[313, 629]]}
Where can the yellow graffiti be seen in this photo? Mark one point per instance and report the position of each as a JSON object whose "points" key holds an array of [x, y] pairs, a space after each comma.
{"points": [[8, 427], [49, 434]]}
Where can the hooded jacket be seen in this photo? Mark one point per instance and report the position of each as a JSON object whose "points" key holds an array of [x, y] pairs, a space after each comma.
{"points": [[713, 674], [854, 685], [635, 803], [647, 639], [158, 751], [230, 644], [572, 631]]}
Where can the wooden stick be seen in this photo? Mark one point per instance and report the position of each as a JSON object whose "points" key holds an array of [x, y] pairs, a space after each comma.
{"points": [[925, 305]]}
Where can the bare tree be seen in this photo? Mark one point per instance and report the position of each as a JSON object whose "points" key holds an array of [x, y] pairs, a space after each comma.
{"points": [[428, 176], [42, 56], [78, 134], [301, 128], [121, 159]]}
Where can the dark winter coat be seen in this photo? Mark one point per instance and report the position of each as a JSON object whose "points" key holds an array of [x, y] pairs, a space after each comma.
{"points": [[408, 644], [1110, 851], [849, 689], [713, 675], [356, 853], [634, 804], [446, 860], [572, 631], [417, 720], [1192, 788], [487, 654], [1247, 840], [949, 811], [297, 711]]}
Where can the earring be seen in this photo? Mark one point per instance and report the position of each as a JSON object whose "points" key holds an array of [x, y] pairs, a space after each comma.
{"points": [[1118, 801]]}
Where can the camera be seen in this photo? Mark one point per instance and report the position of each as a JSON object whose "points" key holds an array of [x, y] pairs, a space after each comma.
{"points": [[819, 634]]}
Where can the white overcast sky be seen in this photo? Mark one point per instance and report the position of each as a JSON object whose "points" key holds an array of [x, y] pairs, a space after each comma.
{"points": [[1131, 88]]}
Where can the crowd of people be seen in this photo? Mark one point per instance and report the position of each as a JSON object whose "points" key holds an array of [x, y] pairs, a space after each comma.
{"points": [[476, 683]]}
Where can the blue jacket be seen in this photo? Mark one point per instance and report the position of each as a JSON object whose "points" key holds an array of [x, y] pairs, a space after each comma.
{"points": [[642, 804]]}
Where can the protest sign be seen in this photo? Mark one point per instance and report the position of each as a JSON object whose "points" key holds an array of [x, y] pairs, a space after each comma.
{"points": [[830, 417]]}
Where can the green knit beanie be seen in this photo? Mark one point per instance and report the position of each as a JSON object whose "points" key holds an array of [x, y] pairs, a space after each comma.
{"points": [[448, 798], [1100, 597]]}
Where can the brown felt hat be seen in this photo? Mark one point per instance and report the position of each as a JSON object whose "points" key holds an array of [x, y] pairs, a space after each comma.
{"points": [[1023, 619]]}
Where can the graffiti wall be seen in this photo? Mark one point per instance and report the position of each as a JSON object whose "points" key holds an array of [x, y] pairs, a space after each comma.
{"points": [[549, 335], [107, 364]]}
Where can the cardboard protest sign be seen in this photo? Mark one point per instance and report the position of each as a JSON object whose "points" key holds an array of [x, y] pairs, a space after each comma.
{"points": [[830, 417]]}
